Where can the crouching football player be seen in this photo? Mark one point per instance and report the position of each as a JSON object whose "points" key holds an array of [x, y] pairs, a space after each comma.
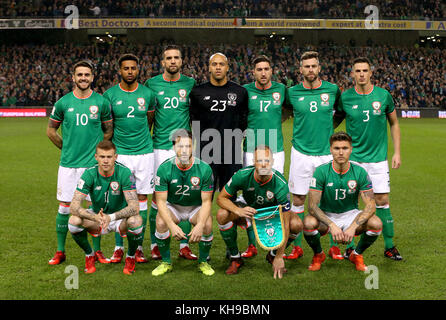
{"points": [[262, 187], [183, 186], [115, 206], [333, 205]]}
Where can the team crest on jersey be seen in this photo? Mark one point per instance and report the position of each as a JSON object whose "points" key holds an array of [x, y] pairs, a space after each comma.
{"points": [[183, 94], [94, 112], [376, 107], [269, 195], [114, 185], [325, 99], [276, 97], [352, 184], [232, 99], [141, 104], [195, 183]]}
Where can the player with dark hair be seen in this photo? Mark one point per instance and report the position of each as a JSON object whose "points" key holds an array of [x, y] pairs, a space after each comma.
{"points": [[266, 99], [85, 118], [132, 107], [367, 109], [172, 90], [313, 102], [333, 204], [184, 187], [114, 206]]}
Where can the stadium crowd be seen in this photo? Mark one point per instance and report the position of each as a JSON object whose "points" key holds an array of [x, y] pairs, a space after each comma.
{"points": [[38, 75], [395, 9]]}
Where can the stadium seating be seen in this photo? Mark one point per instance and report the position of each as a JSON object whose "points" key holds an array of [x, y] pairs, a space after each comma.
{"points": [[396, 9], [41, 74]]}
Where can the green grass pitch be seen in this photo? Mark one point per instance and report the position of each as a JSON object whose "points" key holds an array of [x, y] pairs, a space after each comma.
{"points": [[28, 208]]}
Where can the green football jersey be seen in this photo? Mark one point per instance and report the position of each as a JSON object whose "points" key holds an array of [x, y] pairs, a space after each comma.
{"points": [[313, 116], [81, 127], [366, 122], [131, 133], [265, 117], [107, 192], [184, 186], [172, 111], [340, 191], [257, 195]]}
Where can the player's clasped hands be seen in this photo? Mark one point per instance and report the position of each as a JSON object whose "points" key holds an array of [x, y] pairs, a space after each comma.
{"points": [[340, 236], [104, 219]]}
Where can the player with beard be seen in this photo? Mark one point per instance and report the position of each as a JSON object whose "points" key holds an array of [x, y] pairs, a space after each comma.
{"points": [[313, 102], [85, 118], [132, 107], [171, 89], [184, 187], [266, 99]]}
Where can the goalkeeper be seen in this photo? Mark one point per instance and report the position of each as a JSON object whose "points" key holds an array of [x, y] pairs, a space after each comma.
{"points": [[262, 187]]}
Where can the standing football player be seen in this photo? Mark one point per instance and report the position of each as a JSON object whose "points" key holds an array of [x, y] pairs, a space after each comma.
{"points": [[266, 99], [85, 118], [367, 109], [313, 102], [132, 107], [172, 90]]}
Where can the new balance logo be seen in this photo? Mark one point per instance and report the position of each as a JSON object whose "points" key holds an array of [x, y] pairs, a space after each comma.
{"points": [[207, 98], [301, 98], [254, 97], [161, 93], [98, 188], [330, 184], [119, 102], [70, 109], [355, 106]]}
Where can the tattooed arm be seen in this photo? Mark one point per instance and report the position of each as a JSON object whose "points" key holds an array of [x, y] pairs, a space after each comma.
{"points": [[314, 198], [51, 132], [76, 208], [132, 208], [364, 216], [107, 128]]}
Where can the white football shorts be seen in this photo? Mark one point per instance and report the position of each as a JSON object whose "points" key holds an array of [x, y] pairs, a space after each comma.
{"points": [[161, 155], [302, 167], [67, 179], [379, 175], [141, 166], [183, 212], [343, 220]]}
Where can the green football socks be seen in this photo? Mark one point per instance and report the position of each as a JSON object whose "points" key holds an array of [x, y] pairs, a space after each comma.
{"points": [[313, 238], [386, 217], [81, 239], [163, 241], [62, 226], [229, 235], [204, 247]]}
